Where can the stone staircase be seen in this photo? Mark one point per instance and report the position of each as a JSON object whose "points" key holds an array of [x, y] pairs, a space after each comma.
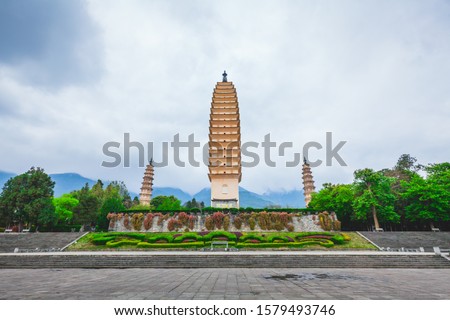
{"points": [[223, 260], [41, 240], [410, 239]]}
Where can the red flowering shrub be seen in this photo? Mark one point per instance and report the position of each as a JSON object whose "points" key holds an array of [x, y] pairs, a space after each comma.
{"points": [[183, 218], [237, 222], [148, 221], [209, 223], [126, 221], [191, 222], [173, 224], [226, 223], [217, 218]]}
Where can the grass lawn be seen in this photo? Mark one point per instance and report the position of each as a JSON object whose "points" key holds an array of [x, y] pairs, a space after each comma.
{"points": [[134, 241]]}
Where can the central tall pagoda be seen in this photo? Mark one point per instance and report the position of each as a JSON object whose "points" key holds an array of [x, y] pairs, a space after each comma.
{"points": [[224, 146]]}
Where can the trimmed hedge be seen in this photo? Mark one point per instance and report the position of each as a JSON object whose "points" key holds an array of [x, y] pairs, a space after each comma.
{"points": [[166, 237], [113, 244], [281, 245], [247, 237], [101, 241], [170, 245], [195, 239], [219, 234], [271, 239], [338, 239], [132, 235], [188, 236]]}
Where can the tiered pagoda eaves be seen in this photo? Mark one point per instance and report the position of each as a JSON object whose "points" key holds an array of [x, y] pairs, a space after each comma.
{"points": [[308, 182], [224, 146], [147, 186]]}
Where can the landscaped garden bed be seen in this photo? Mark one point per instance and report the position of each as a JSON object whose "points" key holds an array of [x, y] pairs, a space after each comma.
{"points": [[239, 240]]}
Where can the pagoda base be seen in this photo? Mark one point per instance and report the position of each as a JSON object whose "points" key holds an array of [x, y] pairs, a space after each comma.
{"points": [[224, 203]]}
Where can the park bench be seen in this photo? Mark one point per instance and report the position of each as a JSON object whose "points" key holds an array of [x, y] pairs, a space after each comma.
{"points": [[379, 230], [26, 230], [8, 230], [219, 243], [435, 229]]}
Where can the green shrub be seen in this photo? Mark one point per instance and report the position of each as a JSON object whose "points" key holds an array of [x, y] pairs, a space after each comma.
{"points": [[166, 237], [219, 234], [252, 223], [132, 235], [247, 237], [321, 242], [101, 241], [338, 239], [170, 245], [327, 244], [226, 223], [188, 236], [121, 243], [277, 238], [346, 237]]}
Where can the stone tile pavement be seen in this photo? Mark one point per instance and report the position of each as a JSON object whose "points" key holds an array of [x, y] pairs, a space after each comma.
{"points": [[279, 284]]}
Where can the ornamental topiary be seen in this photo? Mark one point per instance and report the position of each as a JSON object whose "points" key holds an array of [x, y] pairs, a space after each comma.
{"points": [[277, 238], [237, 222], [226, 223], [148, 221], [137, 219], [251, 237], [161, 237], [188, 236], [220, 234]]}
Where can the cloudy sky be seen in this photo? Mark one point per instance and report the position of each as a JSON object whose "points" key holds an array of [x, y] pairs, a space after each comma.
{"points": [[75, 75]]}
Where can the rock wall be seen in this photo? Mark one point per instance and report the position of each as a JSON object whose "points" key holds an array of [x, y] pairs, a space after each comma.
{"points": [[263, 221]]}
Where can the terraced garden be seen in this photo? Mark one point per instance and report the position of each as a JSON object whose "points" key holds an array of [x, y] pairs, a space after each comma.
{"points": [[239, 240]]}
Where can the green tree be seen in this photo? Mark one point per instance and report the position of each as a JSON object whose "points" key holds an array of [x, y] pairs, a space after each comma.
{"points": [[191, 204], [157, 201], [429, 198], [97, 190], [135, 201], [109, 205], [64, 207], [27, 198], [166, 203], [373, 196], [405, 169], [88, 207], [338, 198]]}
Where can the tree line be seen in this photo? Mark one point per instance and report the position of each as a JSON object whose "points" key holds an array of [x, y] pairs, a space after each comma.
{"points": [[409, 196], [28, 200]]}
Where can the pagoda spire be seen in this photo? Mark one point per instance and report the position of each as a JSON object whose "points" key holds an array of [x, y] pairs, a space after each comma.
{"points": [[147, 185], [308, 182]]}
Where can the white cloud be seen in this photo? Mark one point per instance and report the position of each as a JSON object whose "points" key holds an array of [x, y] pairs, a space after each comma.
{"points": [[374, 73]]}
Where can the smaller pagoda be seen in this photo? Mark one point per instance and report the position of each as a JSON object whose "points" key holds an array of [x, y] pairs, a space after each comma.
{"points": [[308, 182], [147, 185]]}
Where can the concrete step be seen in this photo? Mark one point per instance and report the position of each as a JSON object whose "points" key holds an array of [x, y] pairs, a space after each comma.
{"points": [[410, 239], [205, 260], [41, 240]]}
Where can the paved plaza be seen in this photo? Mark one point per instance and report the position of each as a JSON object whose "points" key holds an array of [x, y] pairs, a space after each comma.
{"points": [[220, 284]]}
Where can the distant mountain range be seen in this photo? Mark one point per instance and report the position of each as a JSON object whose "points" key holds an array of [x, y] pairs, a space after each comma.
{"points": [[67, 182]]}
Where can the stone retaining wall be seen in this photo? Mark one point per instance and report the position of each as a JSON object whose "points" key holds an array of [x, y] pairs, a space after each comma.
{"points": [[164, 223]]}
